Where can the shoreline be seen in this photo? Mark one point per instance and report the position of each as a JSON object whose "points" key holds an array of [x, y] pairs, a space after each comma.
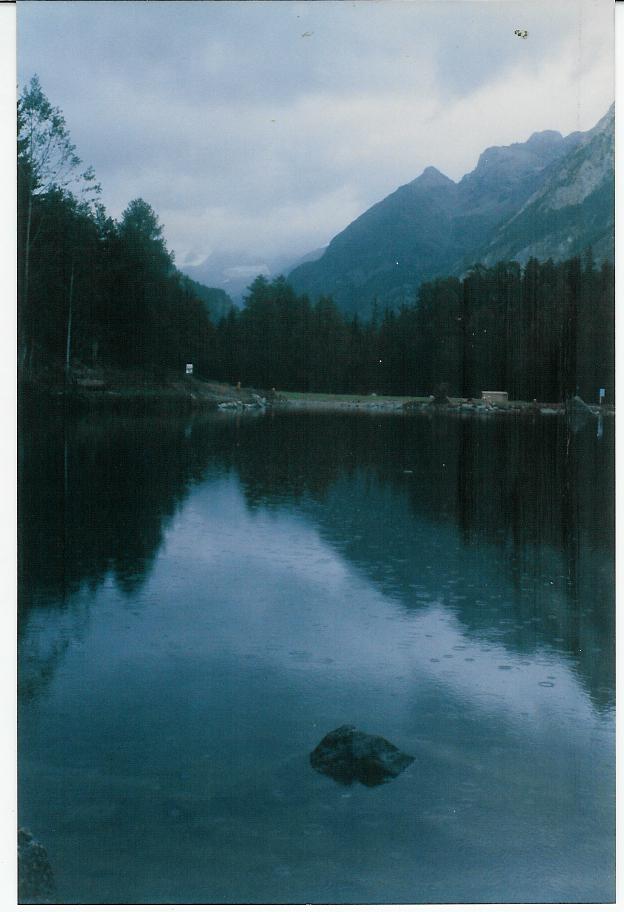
{"points": [[454, 406], [127, 392]]}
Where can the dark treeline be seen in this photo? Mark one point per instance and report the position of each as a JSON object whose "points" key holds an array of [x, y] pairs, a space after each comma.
{"points": [[543, 332], [96, 292], [93, 291]]}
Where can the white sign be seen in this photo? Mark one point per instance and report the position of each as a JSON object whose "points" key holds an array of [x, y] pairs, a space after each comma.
{"points": [[189, 368]]}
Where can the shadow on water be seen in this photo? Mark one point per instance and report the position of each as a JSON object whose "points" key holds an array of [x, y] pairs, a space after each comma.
{"points": [[427, 508]]}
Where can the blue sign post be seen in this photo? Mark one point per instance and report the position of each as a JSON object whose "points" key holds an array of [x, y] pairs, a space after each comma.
{"points": [[601, 394]]}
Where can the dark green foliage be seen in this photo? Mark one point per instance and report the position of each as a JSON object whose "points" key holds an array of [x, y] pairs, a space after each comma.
{"points": [[217, 301], [91, 291], [544, 332]]}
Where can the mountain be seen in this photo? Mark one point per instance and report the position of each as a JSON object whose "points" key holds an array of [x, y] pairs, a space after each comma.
{"points": [[216, 300], [310, 257], [231, 271], [548, 196], [573, 208], [234, 271]]}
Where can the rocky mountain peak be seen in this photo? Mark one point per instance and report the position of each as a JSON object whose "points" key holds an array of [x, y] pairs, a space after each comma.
{"points": [[531, 155], [431, 177], [544, 139], [606, 124]]}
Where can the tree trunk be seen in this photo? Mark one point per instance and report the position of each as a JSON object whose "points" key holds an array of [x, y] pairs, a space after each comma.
{"points": [[24, 343], [69, 323]]}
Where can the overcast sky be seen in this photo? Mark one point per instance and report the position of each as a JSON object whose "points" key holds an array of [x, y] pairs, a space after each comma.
{"points": [[261, 129]]}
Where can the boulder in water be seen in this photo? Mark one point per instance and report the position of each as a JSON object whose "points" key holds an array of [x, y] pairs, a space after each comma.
{"points": [[349, 755]]}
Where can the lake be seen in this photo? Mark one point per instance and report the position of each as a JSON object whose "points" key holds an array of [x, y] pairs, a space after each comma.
{"points": [[203, 598]]}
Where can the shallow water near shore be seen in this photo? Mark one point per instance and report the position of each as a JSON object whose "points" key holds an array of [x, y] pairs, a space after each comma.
{"points": [[203, 598]]}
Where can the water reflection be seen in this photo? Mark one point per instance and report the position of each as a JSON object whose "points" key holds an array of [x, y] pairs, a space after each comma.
{"points": [[425, 508], [201, 601]]}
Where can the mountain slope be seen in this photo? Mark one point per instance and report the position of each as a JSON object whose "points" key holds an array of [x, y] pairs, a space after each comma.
{"points": [[403, 235], [572, 209], [216, 300], [512, 201]]}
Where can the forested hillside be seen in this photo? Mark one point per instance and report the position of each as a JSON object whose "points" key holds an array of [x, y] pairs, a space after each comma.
{"points": [[92, 290], [96, 293]]}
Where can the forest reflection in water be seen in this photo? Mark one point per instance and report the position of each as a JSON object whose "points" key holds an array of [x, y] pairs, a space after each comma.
{"points": [[203, 597], [97, 494]]}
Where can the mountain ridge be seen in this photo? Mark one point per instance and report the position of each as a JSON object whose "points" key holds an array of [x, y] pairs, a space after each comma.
{"points": [[550, 196]]}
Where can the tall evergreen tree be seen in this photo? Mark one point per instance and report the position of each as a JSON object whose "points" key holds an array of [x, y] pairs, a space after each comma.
{"points": [[47, 163]]}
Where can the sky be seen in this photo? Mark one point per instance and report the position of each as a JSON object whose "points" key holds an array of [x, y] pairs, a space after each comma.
{"points": [[259, 130]]}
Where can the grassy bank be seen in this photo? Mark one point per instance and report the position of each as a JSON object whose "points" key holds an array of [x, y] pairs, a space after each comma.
{"points": [[338, 398], [406, 404]]}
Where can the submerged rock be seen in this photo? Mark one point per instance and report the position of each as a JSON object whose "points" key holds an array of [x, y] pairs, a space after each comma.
{"points": [[35, 877], [240, 405], [349, 755], [231, 405]]}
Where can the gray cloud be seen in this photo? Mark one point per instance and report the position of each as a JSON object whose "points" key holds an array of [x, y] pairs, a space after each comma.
{"points": [[261, 129]]}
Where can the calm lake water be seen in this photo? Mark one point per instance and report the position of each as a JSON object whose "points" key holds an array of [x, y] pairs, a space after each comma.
{"points": [[203, 599]]}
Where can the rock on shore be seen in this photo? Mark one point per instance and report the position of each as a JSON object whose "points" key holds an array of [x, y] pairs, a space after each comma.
{"points": [[35, 877]]}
